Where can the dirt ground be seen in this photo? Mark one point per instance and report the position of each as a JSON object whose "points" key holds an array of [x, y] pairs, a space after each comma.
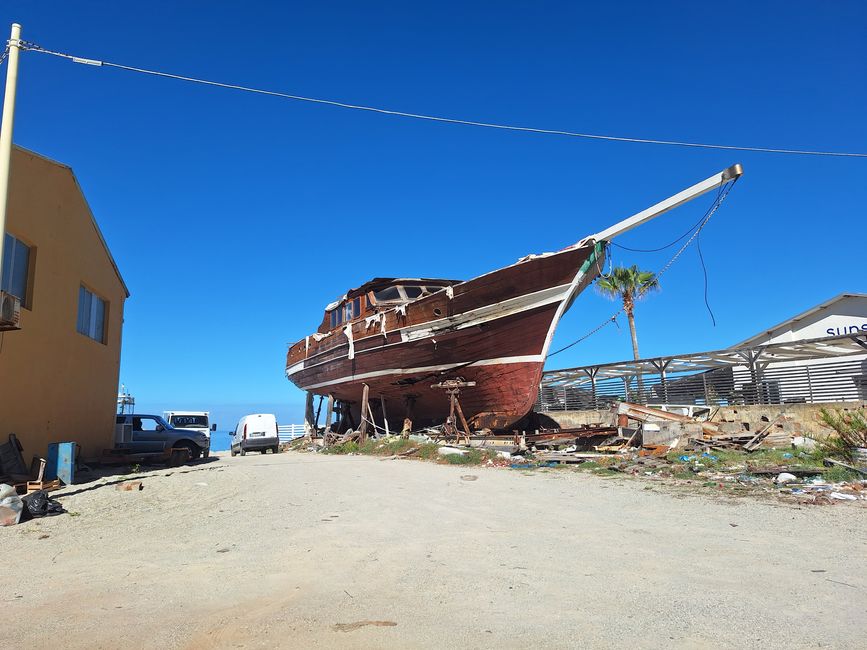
{"points": [[313, 551]]}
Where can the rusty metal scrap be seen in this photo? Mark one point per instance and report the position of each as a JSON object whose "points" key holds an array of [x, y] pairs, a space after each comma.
{"points": [[647, 414]]}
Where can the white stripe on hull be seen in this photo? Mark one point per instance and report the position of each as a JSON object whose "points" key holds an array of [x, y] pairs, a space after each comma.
{"points": [[529, 358]]}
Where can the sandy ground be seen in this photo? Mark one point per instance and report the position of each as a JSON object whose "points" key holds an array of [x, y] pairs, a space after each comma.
{"points": [[303, 550]]}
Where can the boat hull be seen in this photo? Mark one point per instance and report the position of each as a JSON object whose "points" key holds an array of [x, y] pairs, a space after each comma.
{"points": [[495, 331]]}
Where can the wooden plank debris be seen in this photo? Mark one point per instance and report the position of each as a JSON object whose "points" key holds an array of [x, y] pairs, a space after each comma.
{"points": [[754, 442], [48, 486]]}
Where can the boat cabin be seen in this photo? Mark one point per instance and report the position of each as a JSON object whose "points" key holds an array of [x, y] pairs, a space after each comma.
{"points": [[379, 295]]}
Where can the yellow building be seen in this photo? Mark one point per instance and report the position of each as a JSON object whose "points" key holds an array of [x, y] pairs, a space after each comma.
{"points": [[59, 371]]}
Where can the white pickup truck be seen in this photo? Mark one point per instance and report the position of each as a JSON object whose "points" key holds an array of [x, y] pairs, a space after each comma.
{"points": [[195, 420]]}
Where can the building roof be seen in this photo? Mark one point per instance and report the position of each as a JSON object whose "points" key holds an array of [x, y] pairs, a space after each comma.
{"points": [[89, 211], [820, 348], [768, 333]]}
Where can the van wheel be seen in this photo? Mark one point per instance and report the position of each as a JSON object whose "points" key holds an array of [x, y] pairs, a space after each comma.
{"points": [[232, 451], [275, 450], [243, 452]]}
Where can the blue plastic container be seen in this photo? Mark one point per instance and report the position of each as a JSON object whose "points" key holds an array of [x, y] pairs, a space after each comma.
{"points": [[60, 462]]}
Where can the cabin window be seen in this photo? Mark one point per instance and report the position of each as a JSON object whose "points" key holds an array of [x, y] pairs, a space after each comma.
{"points": [[336, 317], [91, 315], [352, 309], [387, 294], [412, 292], [16, 268]]}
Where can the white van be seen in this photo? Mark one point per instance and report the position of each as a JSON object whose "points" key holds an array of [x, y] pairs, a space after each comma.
{"points": [[257, 432]]}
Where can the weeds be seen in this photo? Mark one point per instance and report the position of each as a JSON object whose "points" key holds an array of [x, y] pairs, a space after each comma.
{"points": [[851, 430], [605, 471], [472, 457], [428, 451], [732, 459], [839, 474], [397, 446]]}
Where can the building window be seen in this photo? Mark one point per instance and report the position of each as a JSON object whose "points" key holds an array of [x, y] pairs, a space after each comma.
{"points": [[16, 268], [91, 315]]}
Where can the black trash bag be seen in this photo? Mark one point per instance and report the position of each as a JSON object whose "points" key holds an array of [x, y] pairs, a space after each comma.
{"points": [[38, 504]]}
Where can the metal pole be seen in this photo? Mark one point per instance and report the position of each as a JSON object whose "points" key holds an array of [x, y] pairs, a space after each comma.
{"points": [[384, 415], [6, 129]]}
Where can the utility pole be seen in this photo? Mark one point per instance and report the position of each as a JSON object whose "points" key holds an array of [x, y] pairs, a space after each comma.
{"points": [[6, 129]]}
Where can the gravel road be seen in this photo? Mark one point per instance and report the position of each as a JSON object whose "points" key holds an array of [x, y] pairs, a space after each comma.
{"points": [[313, 551]]}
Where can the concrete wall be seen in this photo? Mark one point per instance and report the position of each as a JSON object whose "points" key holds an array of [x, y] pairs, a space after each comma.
{"points": [[57, 384], [799, 419]]}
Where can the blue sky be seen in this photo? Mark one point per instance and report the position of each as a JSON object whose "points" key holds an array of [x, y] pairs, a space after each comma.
{"points": [[235, 218]]}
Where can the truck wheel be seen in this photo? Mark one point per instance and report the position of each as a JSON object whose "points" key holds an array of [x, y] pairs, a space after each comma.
{"points": [[195, 450], [206, 453], [232, 451], [243, 451], [275, 449]]}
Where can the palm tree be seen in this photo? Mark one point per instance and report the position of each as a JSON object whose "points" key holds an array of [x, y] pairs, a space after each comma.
{"points": [[630, 285]]}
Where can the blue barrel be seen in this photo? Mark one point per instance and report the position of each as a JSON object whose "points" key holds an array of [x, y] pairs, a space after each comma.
{"points": [[60, 462]]}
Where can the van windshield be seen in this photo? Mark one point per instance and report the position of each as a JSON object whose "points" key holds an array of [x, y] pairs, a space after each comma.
{"points": [[182, 421]]}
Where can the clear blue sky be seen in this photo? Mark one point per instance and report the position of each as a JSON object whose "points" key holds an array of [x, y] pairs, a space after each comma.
{"points": [[235, 218]]}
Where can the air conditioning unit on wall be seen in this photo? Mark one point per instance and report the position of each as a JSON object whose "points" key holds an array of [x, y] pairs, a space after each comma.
{"points": [[10, 312]]}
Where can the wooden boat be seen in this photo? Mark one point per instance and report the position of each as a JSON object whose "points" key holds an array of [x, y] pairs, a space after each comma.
{"points": [[400, 336]]}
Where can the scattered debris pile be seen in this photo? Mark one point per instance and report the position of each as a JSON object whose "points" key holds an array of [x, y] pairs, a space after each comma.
{"points": [[640, 441], [14, 470]]}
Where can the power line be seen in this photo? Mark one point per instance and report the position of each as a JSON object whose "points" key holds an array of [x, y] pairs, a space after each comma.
{"points": [[433, 118]]}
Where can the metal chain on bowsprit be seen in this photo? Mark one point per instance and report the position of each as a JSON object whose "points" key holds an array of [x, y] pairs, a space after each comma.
{"points": [[4, 55], [721, 195]]}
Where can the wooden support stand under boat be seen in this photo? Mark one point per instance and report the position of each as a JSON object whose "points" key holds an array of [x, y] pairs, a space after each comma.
{"points": [[329, 412], [309, 425], [452, 388], [362, 438]]}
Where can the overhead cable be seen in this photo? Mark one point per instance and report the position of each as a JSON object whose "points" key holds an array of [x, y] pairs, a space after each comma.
{"points": [[433, 118]]}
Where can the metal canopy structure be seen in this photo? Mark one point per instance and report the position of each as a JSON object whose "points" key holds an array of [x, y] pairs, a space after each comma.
{"points": [[757, 357]]}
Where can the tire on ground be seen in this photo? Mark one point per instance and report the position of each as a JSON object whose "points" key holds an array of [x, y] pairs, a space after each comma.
{"points": [[195, 450]]}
